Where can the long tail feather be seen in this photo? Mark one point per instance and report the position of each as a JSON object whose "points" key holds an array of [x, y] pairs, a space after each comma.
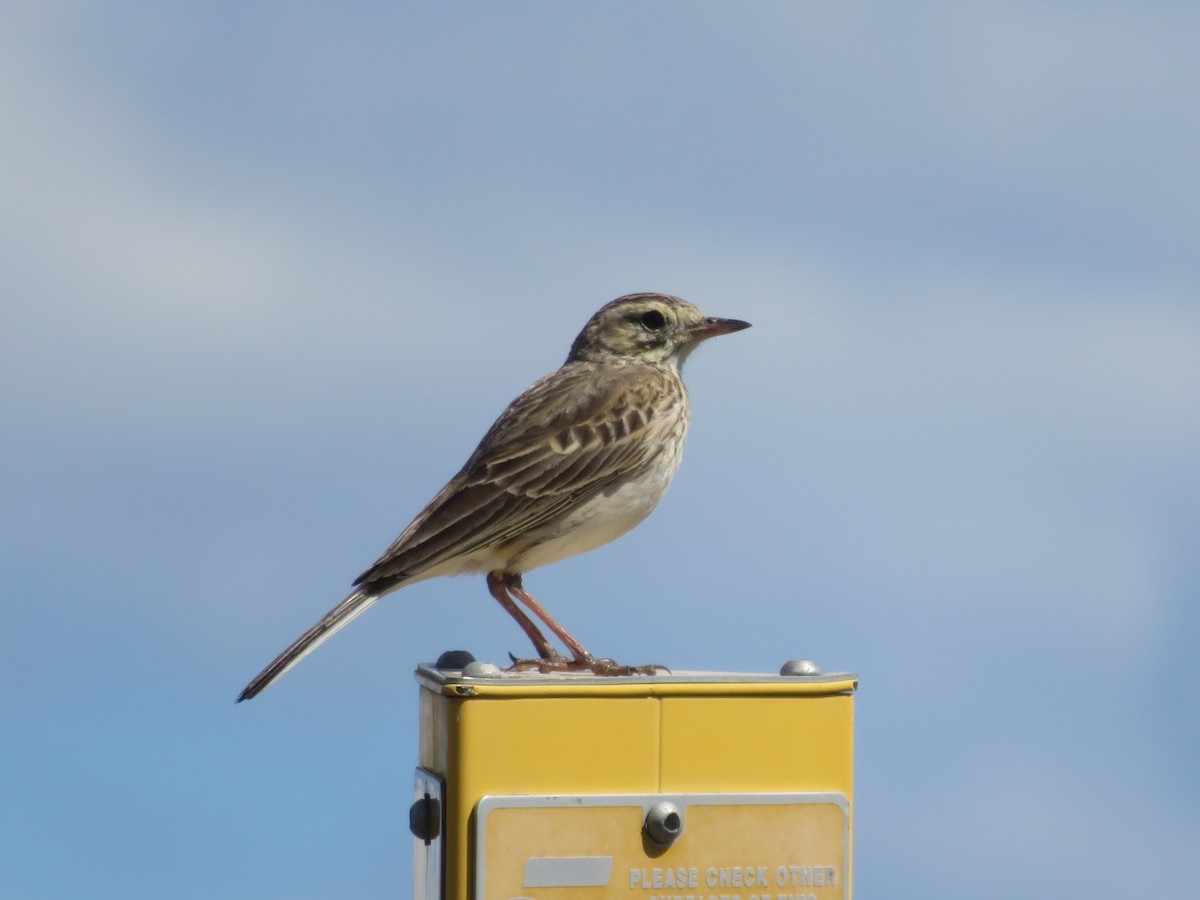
{"points": [[334, 620]]}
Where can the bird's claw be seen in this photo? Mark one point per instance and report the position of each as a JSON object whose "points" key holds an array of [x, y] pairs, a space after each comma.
{"points": [[612, 667], [602, 666], [543, 664]]}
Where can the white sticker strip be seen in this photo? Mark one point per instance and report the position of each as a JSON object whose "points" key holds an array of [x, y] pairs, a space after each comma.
{"points": [[567, 871]]}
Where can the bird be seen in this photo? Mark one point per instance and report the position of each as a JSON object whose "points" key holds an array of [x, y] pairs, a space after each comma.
{"points": [[582, 456]]}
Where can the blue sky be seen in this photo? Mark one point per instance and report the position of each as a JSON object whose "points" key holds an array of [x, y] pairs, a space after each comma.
{"points": [[271, 270]]}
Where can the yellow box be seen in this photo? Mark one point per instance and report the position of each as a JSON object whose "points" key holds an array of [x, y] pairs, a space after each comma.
{"points": [[547, 786]]}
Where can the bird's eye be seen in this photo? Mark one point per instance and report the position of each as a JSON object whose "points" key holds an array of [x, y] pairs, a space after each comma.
{"points": [[653, 319]]}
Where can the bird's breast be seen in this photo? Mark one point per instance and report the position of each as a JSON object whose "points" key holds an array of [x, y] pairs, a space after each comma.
{"points": [[599, 520], [595, 522]]}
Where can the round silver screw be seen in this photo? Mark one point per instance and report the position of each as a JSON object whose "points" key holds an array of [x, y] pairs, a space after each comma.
{"points": [[481, 670], [664, 823], [800, 667]]}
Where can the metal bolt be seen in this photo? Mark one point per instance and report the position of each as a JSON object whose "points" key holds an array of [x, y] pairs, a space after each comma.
{"points": [[664, 823], [800, 667], [454, 659], [481, 670], [425, 819]]}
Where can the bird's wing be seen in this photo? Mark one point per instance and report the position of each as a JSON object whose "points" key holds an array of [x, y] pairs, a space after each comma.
{"points": [[567, 437]]}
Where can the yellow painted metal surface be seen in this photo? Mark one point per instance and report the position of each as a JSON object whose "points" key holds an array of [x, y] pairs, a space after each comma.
{"points": [[789, 848], [688, 735]]}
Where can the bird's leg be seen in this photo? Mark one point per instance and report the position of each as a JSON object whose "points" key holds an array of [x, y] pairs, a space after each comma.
{"points": [[583, 660], [498, 585], [517, 589]]}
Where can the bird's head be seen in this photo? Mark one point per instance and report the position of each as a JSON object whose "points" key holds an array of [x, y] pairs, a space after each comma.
{"points": [[653, 328]]}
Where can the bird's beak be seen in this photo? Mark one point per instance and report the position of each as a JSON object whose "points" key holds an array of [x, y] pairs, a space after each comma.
{"points": [[711, 327]]}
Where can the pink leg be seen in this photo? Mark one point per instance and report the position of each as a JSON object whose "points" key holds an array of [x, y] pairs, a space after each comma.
{"points": [[498, 585], [582, 659], [517, 589]]}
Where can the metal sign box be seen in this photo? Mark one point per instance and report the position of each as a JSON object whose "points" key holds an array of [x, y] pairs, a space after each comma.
{"points": [[686, 786]]}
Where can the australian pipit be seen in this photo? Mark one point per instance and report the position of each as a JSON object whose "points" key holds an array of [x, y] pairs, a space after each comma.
{"points": [[581, 457]]}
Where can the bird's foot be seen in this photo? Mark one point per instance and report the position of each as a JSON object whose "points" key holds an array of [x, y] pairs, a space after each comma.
{"points": [[606, 666], [588, 663], [543, 664]]}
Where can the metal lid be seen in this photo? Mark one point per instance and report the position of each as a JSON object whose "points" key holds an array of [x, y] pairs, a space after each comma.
{"points": [[493, 681]]}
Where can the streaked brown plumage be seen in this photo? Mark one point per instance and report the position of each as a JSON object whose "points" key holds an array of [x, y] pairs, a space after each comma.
{"points": [[579, 458]]}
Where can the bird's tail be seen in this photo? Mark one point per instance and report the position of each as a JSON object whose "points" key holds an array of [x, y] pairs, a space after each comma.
{"points": [[334, 620]]}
